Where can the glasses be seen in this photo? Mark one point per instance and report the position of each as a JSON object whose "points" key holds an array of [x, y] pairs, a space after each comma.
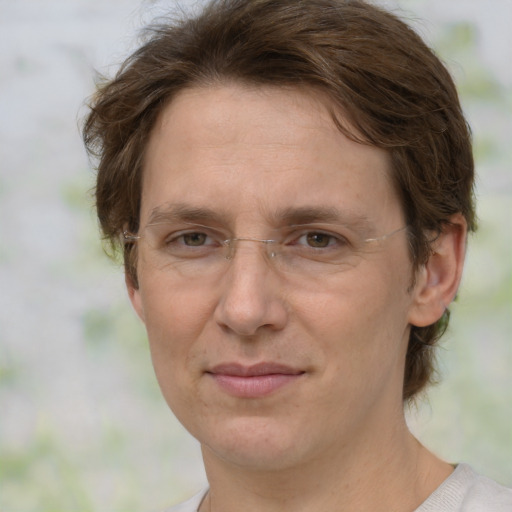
{"points": [[194, 250]]}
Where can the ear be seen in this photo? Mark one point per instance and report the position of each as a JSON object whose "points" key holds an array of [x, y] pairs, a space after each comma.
{"points": [[135, 298], [438, 280]]}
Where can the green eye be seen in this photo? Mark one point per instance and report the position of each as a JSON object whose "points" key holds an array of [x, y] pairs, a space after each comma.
{"points": [[194, 239]]}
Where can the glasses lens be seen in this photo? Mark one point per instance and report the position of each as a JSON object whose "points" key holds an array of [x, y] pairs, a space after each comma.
{"points": [[196, 251]]}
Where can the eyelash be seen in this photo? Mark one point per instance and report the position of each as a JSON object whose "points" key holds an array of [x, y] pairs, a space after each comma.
{"points": [[175, 238], [333, 240], [293, 239]]}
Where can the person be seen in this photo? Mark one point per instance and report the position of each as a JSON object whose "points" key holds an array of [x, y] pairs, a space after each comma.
{"points": [[291, 185]]}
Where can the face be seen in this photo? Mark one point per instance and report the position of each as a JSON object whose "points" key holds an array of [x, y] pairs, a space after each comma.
{"points": [[269, 369]]}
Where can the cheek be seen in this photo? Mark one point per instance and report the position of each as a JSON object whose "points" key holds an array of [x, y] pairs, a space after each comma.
{"points": [[174, 319], [360, 324], [173, 310]]}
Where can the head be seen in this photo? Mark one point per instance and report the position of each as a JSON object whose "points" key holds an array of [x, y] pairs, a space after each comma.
{"points": [[382, 86]]}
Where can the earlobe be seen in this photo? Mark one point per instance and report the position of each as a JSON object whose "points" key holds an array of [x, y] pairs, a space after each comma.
{"points": [[135, 298], [438, 280]]}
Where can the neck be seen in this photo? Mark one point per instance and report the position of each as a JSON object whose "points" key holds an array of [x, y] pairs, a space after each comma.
{"points": [[391, 471]]}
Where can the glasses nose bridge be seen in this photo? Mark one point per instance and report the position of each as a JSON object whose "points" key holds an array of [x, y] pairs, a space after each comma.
{"points": [[231, 244]]}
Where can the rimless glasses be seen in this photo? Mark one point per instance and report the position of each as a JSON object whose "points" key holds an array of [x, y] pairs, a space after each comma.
{"points": [[194, 250]]}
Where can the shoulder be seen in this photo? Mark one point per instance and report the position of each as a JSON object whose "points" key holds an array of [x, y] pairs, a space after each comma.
{"points": [[467, 491], [191, 505], [486, 495]]}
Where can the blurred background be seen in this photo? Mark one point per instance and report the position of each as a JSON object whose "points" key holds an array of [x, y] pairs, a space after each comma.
{"points": [[82, 424]]}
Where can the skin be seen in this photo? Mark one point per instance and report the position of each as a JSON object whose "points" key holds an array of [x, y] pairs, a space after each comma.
{"points": [[334, 438]]}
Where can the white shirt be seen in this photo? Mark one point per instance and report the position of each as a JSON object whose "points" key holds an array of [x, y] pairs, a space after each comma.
{"points": [[463, 491]]}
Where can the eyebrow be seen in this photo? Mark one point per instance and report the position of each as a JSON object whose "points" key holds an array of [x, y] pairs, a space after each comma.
{"points": [[185, 213], [314, 214], [290, 216], [308, 214]]}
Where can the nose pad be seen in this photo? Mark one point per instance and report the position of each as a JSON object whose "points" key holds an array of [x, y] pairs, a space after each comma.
{"points": [[250, 299], [270, 246]]}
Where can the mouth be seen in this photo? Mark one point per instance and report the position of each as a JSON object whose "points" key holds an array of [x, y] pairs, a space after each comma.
{"points": [[254, 381]]}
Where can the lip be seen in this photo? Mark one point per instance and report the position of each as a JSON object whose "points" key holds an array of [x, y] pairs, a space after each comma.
{"points": [[255, 381]]}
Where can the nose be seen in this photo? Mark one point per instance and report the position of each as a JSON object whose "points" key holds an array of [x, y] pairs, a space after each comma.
{"points": [[251, 295]]}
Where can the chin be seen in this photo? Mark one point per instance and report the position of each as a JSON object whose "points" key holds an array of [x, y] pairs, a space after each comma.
{"points": [[255, 443]]}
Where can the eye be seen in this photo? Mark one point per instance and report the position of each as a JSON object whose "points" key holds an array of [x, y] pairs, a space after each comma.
{"points": [[194, 239], [318, 240], [183, 240]]}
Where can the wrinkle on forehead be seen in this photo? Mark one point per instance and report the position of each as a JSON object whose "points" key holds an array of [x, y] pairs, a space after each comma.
{"points": [[242, 94], [281, 217], [251, 149]]}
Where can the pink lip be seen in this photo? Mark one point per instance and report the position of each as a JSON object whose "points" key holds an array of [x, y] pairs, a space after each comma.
{"points": [[253, 381]]}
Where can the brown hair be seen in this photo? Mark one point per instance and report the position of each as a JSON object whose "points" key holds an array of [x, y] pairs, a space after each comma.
{"points": [[392, 89]]}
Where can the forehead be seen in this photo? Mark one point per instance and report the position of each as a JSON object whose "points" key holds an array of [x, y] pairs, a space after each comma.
{"points": [[248, 151]]}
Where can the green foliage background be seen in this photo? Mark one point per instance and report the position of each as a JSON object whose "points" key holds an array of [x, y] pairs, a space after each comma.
{"points": [[82, 424]]}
